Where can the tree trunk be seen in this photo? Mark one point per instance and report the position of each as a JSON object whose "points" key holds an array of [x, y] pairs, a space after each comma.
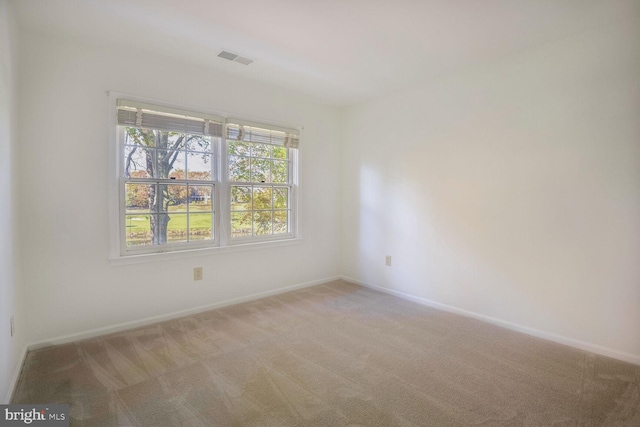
{"points": [[160, 223], [159, 202]]}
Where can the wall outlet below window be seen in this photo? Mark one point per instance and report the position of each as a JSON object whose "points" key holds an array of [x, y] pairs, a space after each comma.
{"points": [[387, 260], [197, 273]]}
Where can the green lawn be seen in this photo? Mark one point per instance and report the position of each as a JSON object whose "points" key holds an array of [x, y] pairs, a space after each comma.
{"points": [[139, 224]]}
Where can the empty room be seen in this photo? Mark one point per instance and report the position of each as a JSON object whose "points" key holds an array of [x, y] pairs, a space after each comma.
{"points": [[320, 213]]}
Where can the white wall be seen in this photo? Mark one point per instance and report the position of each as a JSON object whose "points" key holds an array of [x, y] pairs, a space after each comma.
{"points": [[510, 190], [11, 302], [71, 287]]}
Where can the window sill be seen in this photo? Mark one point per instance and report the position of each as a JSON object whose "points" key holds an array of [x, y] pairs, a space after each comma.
{"points": [[200, 252]]}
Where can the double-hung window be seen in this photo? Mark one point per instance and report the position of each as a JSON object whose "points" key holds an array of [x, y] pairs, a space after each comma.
{"points": [[189, 180], [260, 181]]}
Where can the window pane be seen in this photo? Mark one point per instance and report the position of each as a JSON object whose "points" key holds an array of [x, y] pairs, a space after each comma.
{"points": [[171, 140], [280, 222], [240, 224], [171, 164], [279, 152], [138, 230], [200, 198], [260, 170], [240, 198], [280, 171], [200, 226], [172, 198], [176, 228], [139, 197], [177, 198], [239, 168], [199, 165], [239, 148], [262, 223], [261, 150], [280, 198], [198, 143], [261, 198], [138, 161], [135, 136]]}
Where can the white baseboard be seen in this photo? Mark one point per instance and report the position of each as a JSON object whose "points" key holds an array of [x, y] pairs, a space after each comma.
{"points": [[174, 315], [582, 345], [16, 376]]}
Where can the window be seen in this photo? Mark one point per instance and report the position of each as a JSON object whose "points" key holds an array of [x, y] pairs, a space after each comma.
{"points": [[259, 175], [190, 180]]}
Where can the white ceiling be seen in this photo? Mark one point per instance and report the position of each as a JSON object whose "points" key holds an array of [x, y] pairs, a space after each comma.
{"points": [[339, 51]]}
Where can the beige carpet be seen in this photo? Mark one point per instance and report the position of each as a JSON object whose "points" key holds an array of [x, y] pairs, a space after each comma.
{"points": [[331, 355]]}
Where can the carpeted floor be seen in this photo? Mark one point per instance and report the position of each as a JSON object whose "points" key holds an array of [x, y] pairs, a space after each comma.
{"points": [[331, 355]]}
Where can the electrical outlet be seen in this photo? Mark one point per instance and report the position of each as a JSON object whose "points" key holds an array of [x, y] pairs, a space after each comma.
{"points": [[197, 273], [387, 260], [13, 327]]}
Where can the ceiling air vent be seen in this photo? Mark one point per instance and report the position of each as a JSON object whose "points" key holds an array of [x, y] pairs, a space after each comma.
{"points": [[235, 58]]}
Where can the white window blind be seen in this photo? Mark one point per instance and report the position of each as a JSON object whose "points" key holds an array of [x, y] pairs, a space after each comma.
{"points": [[140, 115], [240, 130]]}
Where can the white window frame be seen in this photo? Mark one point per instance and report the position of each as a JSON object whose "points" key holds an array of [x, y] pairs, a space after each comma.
{"points": [[222, 241], [175, 246], [290, 185]]}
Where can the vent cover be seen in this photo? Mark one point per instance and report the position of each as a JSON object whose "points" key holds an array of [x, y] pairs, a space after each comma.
{"points": [[235, 58]]}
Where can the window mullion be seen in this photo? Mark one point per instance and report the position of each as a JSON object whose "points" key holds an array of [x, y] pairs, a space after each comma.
{"points": [[224, 195]]}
